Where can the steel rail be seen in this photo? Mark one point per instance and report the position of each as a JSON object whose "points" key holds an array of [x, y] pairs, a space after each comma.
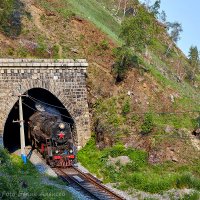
{"points": [[67, 178], [99, 184], [89, 184]]}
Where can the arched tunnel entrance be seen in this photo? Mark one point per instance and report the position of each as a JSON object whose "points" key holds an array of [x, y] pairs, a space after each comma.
{"points": [[36, 97]]}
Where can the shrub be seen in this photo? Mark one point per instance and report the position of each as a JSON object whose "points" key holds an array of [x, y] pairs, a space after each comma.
{"points": [[117, 150], [104, 45], [10, 17], [147, 125], [55, 51], [126, 107], [124, 60], [4, 157]]}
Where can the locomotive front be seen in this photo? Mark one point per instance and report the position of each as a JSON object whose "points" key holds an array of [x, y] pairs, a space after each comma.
{"points": [[61, 132], [63, 150], [53, 138]]}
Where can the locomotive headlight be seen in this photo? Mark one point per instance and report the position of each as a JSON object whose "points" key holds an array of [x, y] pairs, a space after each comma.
{"points": [[61, 126], [70, 151], [57, 151]]}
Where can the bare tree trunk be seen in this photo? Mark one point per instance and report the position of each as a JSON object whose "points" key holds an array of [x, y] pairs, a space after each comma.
{"points": [[125, 6], [119, 6], [178, 70], [169, 48]]}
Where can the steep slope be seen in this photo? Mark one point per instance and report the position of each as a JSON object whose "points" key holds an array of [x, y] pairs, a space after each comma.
{"points": [[153, 109]]}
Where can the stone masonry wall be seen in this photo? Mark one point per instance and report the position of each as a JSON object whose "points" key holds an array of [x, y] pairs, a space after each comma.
{"points": [[63, 78]]}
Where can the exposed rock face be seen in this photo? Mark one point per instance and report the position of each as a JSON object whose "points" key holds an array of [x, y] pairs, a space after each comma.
{"points": [[157, 156], [123, 160], [169, 129]]}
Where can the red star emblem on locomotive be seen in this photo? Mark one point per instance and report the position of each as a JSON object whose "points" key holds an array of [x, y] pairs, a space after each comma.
{"points": [[61, 135]]}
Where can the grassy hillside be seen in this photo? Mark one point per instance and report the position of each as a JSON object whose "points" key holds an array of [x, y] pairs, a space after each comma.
{"points": [[95, 13], [19, 181], [139, 174], [151, 112]]}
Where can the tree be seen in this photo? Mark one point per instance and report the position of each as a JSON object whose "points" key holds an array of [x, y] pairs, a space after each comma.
{"points": [[174, 29], [139, 30], [124, 7], [193, 58], [155, 7], [124, 60], [163, 16]]}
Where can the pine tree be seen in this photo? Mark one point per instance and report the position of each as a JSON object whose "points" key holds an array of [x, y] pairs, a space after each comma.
{"points": [[163, 16], [174, 29], [193, 59], [193, 56], [155, 7]]}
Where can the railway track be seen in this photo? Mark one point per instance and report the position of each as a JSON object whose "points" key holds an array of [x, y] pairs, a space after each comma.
{"points": [[89, 184]]}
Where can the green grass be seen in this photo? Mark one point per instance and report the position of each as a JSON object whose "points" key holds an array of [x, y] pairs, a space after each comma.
{"points": [[177, 121], [19, 181], [62, 7], [90, 10], [138, 174], [193, 196], [94, 12]]}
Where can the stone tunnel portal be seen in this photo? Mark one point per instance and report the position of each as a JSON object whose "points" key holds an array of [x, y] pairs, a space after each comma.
{"points": [[36, 96]]}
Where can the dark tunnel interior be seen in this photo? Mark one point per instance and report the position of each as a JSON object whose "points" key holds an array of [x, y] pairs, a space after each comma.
{"points": [[11, 136]]}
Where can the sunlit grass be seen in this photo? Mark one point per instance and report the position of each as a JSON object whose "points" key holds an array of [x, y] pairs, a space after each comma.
{"points": [[138, 174]]}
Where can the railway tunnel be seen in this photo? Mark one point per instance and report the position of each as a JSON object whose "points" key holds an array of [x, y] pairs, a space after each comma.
{"points": [[36, 96]]}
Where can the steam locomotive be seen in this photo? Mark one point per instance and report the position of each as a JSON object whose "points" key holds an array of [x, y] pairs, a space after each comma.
{"points": [[53, 138]]}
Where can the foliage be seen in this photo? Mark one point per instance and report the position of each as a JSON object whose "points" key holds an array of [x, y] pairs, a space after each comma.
{"points": [[193, 57], [104, 45], [126, 107], [155, 7], [174, 29], [108, 111], [163, 16], [10, 17], [19, 181], [4, 157], [55, 51], [147, 125], [124, 60], [139, 30]]}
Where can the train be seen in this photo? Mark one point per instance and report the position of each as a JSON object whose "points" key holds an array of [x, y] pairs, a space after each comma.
{"points": [[52, 137]]}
